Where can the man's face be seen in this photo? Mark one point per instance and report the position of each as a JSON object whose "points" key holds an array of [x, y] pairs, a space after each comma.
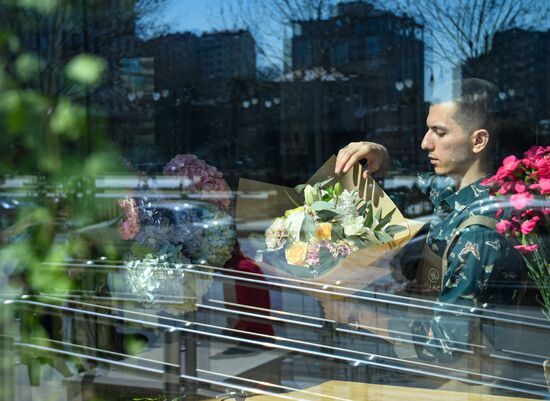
{"points": [[449, 147]]}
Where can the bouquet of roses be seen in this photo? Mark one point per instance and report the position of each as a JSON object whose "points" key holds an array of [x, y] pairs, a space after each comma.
{"points": [[327, 231], [527, 182], [170, 237]]}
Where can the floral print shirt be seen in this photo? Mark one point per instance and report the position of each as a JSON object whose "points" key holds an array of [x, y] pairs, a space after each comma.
{"points": [[483, 269]]}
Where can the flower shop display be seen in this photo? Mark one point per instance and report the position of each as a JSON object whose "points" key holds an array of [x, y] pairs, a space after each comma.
{"points": [[174, 239], [526, 182]]}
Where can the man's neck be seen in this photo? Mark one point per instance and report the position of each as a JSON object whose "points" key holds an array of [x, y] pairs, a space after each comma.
{"points": [[476, 172]]}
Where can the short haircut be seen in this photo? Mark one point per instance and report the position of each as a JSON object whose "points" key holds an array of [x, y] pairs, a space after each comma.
{"points": [[475, 101], [476, 108]]}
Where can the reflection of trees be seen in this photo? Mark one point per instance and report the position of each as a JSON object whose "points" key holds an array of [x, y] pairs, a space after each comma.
{"points": [[462, 29], [270, 21]]}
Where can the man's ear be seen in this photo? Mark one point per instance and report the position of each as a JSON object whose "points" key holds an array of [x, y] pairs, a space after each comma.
{"points": [[480, 140]]}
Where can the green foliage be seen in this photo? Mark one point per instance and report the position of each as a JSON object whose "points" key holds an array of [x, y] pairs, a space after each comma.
{"points": [[58, 140], [41, 6], [68, 120], [28, 66], [86, 69]]}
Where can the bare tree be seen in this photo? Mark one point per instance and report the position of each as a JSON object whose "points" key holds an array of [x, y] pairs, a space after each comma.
{"points": [[459, 30], [271, 21]]}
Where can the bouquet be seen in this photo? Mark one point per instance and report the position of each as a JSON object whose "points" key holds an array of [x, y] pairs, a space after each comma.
{"points": [[327, 231], [527, 183], [331, 223], [170, 237]]}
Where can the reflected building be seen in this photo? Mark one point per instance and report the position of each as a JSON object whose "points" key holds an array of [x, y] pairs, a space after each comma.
{"points": [[379, 95], [518, 62], [198, 85]]}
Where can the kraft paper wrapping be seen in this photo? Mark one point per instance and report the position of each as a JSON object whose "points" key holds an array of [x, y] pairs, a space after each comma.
{"points": [[259, 201]]}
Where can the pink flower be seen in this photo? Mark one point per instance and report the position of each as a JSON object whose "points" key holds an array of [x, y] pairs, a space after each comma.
{"points": [[526, 248], [499, 213], [199, 176], [503, 226], [129, 229], [529, 225], [520, 187], [543, 185], [521, 200], [534, 152], [509, 165], [503, 190], [487, 182]]}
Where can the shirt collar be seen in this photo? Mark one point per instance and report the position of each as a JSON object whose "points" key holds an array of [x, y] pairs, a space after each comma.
{"points": [[459, 200]]}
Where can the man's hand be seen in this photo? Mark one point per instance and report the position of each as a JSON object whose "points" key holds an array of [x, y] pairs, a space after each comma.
{"points": [[377, 157]]}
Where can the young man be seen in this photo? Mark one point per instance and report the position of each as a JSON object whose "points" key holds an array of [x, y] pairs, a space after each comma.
{"points": [[466, 264]]}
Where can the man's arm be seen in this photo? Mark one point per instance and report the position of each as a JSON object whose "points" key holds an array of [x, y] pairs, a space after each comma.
{"points": [[482, 268]]}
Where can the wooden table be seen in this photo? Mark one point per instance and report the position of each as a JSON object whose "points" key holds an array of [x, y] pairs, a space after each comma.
{"points": [[334, 390]]}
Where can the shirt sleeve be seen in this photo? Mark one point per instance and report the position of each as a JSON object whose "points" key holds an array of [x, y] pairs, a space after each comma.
{"points": [[482, 268]]}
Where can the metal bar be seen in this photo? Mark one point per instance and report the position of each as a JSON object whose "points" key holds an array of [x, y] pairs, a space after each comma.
{"points": [[278, 312], [260, 316], [7, 354], [172, 364], [191, 361], [371, 357], [377, 297]]}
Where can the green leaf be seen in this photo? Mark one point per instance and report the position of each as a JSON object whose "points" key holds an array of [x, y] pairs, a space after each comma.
{"points": [[28, 66], [337, 232], [300, 188], [394, 229], [370, 216], [86, 69], [327, 197], [322, 205], [42, 6], [378, 214], [308, 228], [68, 119], [326, 214], [386, 219], [383, 237]]}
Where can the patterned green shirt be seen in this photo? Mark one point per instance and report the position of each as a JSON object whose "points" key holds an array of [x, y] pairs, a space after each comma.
{"points": [[483, 268]]}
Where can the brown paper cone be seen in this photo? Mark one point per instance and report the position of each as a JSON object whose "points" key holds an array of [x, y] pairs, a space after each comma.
{"points": [[261, 201]]}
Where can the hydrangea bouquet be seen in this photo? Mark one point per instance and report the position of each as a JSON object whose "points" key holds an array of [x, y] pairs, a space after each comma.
{"points": [[171, 237], [329, 230], [526, 182]]}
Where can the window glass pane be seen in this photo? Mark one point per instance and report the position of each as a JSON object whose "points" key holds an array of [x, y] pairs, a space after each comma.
{"points": [[237, 198]]}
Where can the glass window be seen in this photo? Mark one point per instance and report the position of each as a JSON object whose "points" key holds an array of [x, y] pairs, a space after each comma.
{"points": [[237, 199]]}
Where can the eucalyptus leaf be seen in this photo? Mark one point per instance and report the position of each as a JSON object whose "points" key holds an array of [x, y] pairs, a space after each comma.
{"points": [[394, 229], [326, 214], [385, 220], [308, 228], [337, 232], [322, 205], [370, 216], [383, 237]]}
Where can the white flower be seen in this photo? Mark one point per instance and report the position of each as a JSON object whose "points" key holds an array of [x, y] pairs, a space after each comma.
{"points": [[347, 203], [294, 222], [310, 195], [276, 234], [353, 225]]}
